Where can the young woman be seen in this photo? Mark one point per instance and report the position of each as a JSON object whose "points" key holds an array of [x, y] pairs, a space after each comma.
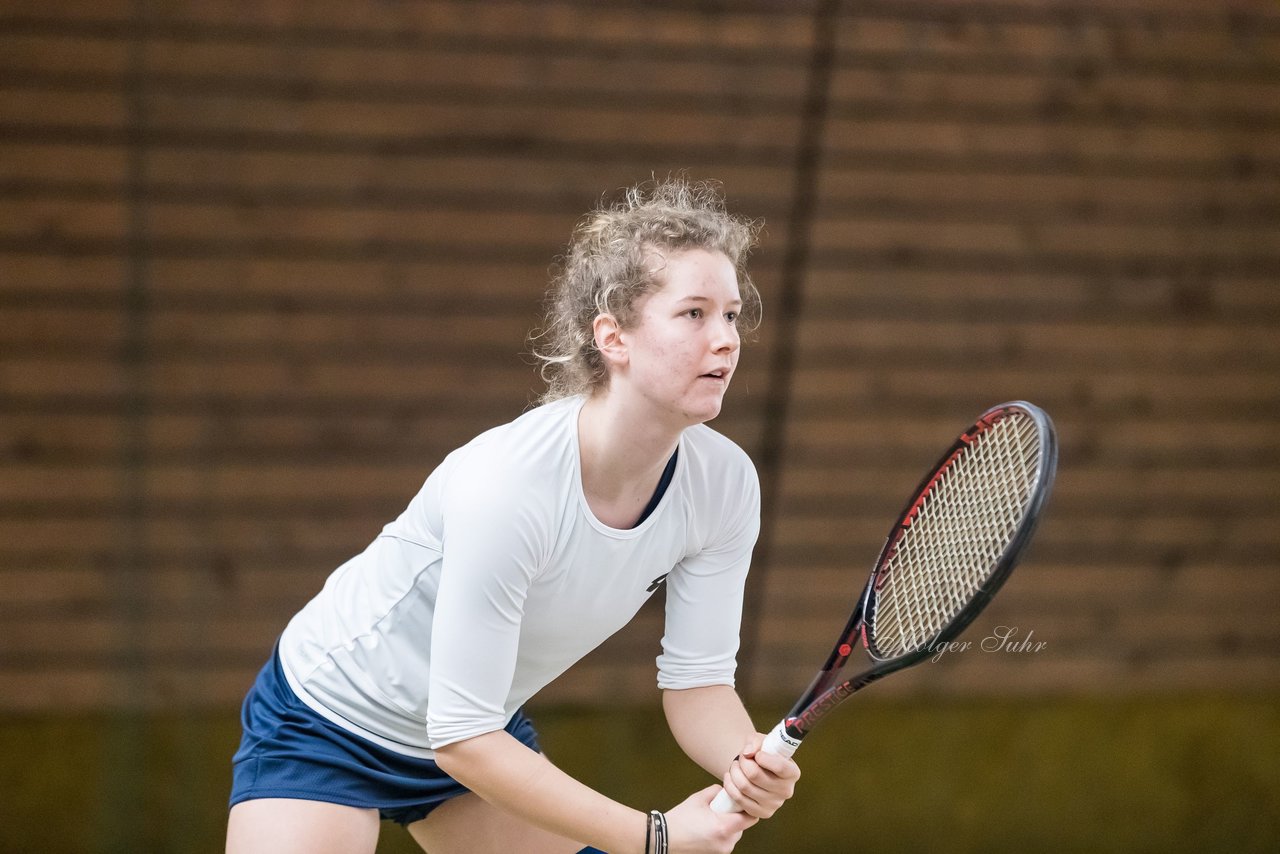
{"points": [[397, 692]]}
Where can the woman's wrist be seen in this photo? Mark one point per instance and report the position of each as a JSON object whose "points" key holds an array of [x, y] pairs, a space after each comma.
{"points": [[630, 835]]}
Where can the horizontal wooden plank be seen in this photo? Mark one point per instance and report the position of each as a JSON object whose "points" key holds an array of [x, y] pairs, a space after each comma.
{"points": [[474, 69], [136, 541], [67, 161], [55, 53], [71, 12], [250, 379], [979, 298], [995, 383], [24, 106], [1061, 203], [438, 286], [53, 218], [984, 186], [259, 481], [490, 228], [585, 123], [1105, 240], [1111, 33], [150, 640], [1077, 90], [620, 25], [222, 583], [1094, 341], [61, 279], [582, 182], [1071, 144], [279, 333], [88, 689], [906, 402]]}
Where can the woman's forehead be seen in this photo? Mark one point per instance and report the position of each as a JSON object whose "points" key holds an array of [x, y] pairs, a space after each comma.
{"points": [[695, 270]]}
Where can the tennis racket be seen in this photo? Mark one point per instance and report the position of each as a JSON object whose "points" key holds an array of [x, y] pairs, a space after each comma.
{"points": [[954, 544]]}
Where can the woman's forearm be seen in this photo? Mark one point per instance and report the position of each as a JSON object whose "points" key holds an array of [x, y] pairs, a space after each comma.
{"points": [[710, 724], [514, 778], [714, 729]]}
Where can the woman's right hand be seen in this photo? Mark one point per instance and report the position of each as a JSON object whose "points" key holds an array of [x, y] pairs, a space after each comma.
{"points": [[694, 828]]}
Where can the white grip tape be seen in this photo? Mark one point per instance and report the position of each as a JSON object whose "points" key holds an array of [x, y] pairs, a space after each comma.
{"points": [[776, 742]]}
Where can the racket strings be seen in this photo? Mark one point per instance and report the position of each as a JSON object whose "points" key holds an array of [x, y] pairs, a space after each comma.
{"points": [[962, 527]]}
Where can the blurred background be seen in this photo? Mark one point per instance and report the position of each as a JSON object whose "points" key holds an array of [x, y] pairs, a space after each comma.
{"points": [[262, 264]]}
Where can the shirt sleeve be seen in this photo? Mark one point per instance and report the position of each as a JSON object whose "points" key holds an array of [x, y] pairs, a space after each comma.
{"points": [[704, 598], [492, 552]]}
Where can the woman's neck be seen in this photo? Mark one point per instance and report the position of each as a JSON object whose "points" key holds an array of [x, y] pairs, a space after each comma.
{"points": [[623, 457]]}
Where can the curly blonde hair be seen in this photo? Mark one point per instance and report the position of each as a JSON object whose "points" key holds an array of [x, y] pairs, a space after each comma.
{"points": [[609, 268]]}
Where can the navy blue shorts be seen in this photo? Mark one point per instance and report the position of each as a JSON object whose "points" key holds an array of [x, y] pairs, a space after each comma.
{"points": [[289, 751]]}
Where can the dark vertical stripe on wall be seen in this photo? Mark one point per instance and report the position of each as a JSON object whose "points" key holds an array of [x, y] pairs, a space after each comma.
{"points": [[786, 316], [121, 801]]}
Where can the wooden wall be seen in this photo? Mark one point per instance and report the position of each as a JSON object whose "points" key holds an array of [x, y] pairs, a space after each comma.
{"points": [[262, 264]]}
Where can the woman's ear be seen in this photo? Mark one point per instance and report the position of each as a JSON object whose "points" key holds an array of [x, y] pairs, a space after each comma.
{"points": [[608, 340]]}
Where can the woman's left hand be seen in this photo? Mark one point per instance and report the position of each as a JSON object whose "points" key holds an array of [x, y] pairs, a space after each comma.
{"points": [[761, 782]]}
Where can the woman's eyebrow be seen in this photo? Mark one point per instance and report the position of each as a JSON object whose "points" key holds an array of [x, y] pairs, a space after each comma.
{"points": [[697, 298]]}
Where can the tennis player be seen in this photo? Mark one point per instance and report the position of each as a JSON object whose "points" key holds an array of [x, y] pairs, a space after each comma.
{"points": [[397, 692]]}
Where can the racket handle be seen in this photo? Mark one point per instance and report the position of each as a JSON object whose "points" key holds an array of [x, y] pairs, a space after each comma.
{"points": [[776, 742]]}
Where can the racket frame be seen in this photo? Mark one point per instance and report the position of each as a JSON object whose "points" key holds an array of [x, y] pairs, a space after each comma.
{"points": [[823, 693]]}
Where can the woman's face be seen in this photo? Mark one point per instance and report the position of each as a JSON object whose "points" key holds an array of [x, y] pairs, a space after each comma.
{"points": [[682, 349]]}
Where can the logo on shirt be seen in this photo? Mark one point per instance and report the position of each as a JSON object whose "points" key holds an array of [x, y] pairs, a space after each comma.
{"points": [[657, 582]]}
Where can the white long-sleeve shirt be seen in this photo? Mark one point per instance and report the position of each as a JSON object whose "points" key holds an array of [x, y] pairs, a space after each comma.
{"points": [[498, 577]]}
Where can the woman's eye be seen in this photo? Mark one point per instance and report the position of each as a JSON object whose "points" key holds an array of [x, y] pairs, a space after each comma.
{"points": [[695, 313], [732, 317]]}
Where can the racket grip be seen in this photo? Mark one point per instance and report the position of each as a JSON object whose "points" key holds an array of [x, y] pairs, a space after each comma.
{"points": [[776, 742]]}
